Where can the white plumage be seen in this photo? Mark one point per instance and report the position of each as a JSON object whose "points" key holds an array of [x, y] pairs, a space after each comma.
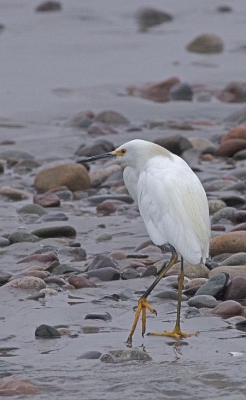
{"points": [[170, 197]]}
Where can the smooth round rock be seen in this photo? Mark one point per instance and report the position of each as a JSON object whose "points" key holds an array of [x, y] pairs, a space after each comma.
{"points": [[121, 356], [206, 44], [47, 332], [55, 231], [228, 308], [215, 286], [105, 274], [90, 355], [202, 301], [102, 261], [235, 259], [4, 242], [231, 270], [22, 236], [28, 282], [148, 17], [181, 92], [236, 289], [54, 217], [32, 209], [12, 386], [104, 317], [73, 176], [223, 213], [232, 242], [236, 133], [79, 282], [130, 273], [192, 271]]}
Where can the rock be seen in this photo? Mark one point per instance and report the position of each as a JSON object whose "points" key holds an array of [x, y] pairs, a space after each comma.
{"points": [[79, 282], [97, 199], [13, 194], [111, 117], [27, 283], [53, 217], [158, 91], [43, 258], [47, 199], [4, 277], [239, 227], [231, 270], [63, 269], [232, 199], [126, 294], [102, 261], [228, 308], [215, 205], [12, 386], [47, 332], [121, 356], [239, 216], [240, 155], [48, 292], [77, 253], [232, 242], [176, 143], [149, 271], [235, 259], [169, 295], [181, 92], [215, 286], [148, 17], [236, 289], [55, 231], [49, 6], [4, 242], [32, 209], [238, 117], [130, 273], [98, 147], [104, 317], [202, 301], [65, 195], [229, 147], [73, 176], [100, 129], [206, 44], [192, 271], [233, 93], [83, 119], [18, 154], [224, 9], [236, 133], [20, 236], [90, 355], [241, 325], [105, 274], [223, 213], [106, 207]]}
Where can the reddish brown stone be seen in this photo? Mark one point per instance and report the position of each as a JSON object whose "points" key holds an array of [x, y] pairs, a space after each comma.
{"points": [[233, 93], [106, 207], [47, 200], [237, 133], [236, 289], [79, 282], [229, 147], [228, 308], [232, 242], [157, 91]]}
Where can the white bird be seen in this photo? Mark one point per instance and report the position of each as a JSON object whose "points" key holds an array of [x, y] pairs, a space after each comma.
{"points": [[174, 208]]}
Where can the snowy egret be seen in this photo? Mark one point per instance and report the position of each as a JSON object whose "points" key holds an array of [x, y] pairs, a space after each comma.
{"points": [[174, 207]]}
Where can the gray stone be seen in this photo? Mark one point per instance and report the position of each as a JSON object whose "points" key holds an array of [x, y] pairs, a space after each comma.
{"points": [[170, 294], [90, 355], [203, 301], [4, 242], [130, 273], [47, 332], [32, 209], [181, 92], [148, 17], [55, 231], [18, 154], [215, 286], [121, 356], [104, 317], [105, 274], [234, 259], [224, 213], [22, 236], [54, 217]]}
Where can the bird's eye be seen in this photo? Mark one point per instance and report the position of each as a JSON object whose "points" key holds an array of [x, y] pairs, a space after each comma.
{"points": [[123, 151]]}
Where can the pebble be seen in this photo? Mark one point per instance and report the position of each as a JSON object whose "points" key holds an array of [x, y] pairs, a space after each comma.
{"points": [[215, 286], [241, 326], [231, 270], [32, 209], [148, 17], [22, 236], [102, 261], [158, 91], [53, 217], [12, 386], [106, 207], [228, 308], [195, 283], [83, 119], [206, 44], [79, 282], [72, 176], [233, 93], [75, 253], [112, 117], [130, 273], [95, 200], [232, 242], [150, 271], [126, 294], [48, 292], [235, 259], [105, 274], [181, 92], [55, 231], [223, 213], [27, 283], [121, 356], [4, 242], [230, 147], [176, 143], [43, 258], [48, 6], [192, 271], [18, 154], [170, 294], [47, 332], [62, 269], [100, 129], [236, 289], [64, 195], [239, 132], [202, 301], [104, 317], [13, 194], [90, 355], [99, 146]]}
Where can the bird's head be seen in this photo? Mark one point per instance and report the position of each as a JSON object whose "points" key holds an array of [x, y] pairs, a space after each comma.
{"points": [[133, 152]]}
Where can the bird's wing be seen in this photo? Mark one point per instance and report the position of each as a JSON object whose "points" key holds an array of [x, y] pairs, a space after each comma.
{"points": [[173, 205], [130, 177]]}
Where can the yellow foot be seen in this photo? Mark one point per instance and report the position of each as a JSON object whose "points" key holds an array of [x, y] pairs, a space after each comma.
{"points": [[175, 334], [142, 305]]}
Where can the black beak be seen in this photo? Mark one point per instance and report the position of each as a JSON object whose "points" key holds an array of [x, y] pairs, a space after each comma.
{"points": [[98, 157]]}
